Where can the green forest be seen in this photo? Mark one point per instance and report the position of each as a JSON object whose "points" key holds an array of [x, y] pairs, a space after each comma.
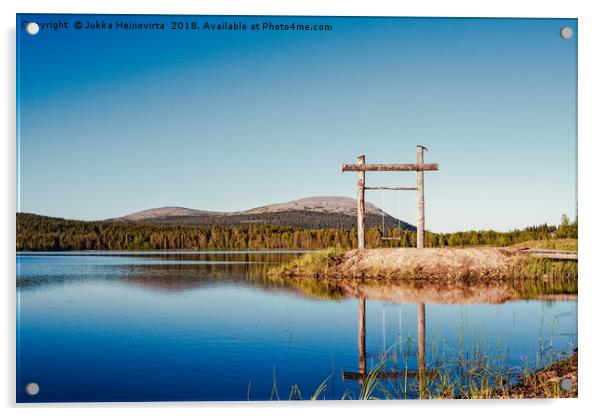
{"points": [[40, 233]]}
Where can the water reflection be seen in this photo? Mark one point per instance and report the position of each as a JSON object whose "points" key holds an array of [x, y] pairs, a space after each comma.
{"points": [[169, 271], [205, 326], [407, 373], [181, 271]]}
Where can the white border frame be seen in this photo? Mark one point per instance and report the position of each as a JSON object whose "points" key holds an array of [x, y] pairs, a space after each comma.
{"points": [[590, 31]]}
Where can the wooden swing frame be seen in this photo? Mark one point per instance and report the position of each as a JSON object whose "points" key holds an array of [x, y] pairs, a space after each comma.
{"points": [[361, 167]]}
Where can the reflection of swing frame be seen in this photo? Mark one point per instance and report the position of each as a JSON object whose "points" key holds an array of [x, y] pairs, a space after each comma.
{"points": [[361, 167], [363, 373]]}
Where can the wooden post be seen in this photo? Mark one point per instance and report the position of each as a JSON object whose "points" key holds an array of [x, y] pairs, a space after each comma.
{"points": [[420, 195], [421, 337], [361, 207], [361, 336]]}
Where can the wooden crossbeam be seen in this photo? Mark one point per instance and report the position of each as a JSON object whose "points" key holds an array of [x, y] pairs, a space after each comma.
{"points": [[391, 188], [358, 167], [354, 375]]}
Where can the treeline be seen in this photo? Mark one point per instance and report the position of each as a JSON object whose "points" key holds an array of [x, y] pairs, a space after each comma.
{"points": [[294, 219], [39, 233]]}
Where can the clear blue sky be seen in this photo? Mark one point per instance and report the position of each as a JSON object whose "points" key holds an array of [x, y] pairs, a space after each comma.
{"points": [[111, 122]]}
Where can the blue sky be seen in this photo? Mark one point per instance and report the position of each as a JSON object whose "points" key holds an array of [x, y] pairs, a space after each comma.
{"points": [[112, 122]]}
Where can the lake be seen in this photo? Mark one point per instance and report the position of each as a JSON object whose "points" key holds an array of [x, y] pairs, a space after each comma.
{"points": [[149, 326]]}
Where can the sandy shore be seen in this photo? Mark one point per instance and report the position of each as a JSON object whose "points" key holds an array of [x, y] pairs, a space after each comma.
{"points": [[429, 262]]}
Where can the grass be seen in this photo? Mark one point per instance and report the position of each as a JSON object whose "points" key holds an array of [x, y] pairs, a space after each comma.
{"points": [[315, 263], [541, 268], [470, 373], [475, 372], [557, 244]]}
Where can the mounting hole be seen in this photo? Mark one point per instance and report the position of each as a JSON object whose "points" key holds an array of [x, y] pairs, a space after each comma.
{"points": [[32, 28], [566, 32], [566, 384], [32, 389]]}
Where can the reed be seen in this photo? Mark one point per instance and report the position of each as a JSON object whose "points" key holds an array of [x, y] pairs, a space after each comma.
{"points": [[472, 371], [540, 268]]}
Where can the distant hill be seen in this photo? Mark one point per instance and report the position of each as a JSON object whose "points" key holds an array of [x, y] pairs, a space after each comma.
{"points": [[165, 212], [310, 213], [323, 204]]}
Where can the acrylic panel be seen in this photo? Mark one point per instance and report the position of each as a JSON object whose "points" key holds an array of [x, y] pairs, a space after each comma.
{"points": [[232, 208]]}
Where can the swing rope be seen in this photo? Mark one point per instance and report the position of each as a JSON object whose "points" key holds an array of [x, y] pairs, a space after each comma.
{"points": [[384, 230], [399, 215], [382, 196]]}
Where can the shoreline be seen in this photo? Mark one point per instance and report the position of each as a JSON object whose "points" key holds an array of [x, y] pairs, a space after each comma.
{"points": [[432, 264], [548, 381]]}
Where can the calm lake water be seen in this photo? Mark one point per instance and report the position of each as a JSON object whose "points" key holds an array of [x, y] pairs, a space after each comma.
{"points": [[211, 326]]}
